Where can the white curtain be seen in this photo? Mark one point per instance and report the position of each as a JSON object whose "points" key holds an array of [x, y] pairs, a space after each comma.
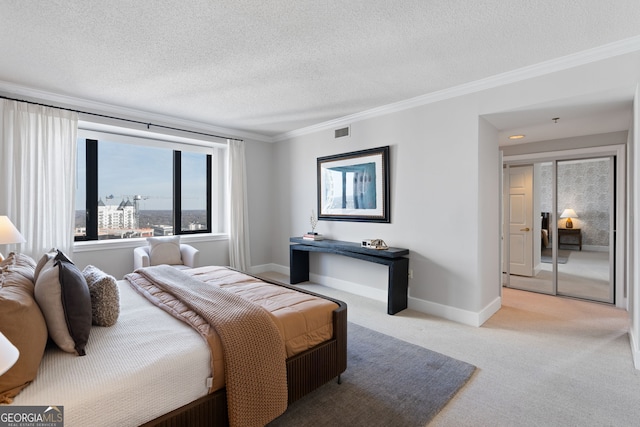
{"points": [[38, 174], [239, 254]]}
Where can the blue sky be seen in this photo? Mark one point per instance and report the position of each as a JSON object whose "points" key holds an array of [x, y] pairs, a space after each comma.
{"points": [[127, 170]]}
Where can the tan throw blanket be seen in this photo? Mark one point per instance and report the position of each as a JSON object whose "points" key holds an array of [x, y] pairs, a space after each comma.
{"points": [[255, 356]]}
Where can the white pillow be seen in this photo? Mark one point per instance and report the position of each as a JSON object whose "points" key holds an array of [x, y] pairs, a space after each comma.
{"points": [[164, 250]]}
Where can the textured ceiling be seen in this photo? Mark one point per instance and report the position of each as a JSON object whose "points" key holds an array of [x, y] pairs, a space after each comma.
{"points": [[275, 66]]}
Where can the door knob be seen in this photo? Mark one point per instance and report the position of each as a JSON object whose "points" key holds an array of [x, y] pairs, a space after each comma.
{"points": [[524, 229]]}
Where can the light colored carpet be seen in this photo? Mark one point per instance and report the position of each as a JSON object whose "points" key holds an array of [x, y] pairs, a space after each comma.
{"points": [[547, 256], [542, 360], [388, 382], [585, 275]]}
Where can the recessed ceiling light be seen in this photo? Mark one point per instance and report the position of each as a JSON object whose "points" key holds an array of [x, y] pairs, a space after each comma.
{"points": [[516, 136]]}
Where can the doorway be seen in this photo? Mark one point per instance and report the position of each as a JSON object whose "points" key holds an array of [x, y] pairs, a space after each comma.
{"points": [[561, 236]]}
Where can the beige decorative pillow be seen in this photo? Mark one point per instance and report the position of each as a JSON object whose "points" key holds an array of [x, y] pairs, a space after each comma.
{"points": [[164, 250], [21, 321], [19, 263], [105, 297], [63, 296]]}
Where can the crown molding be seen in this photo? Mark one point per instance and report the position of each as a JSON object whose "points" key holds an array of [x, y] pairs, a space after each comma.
{"points": [[603, 52], [65, 101], [599, 53]]}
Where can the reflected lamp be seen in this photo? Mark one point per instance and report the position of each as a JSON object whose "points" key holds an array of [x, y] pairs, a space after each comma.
{"points": [[569, 213]]}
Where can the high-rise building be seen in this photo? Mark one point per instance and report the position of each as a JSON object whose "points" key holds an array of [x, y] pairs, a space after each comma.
{"points": [[122, 216]]}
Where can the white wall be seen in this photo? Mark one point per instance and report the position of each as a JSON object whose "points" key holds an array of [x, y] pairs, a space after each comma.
{"points": [[445, 190], [440, 192], [489, 223], [586, 141], [634, 233]]}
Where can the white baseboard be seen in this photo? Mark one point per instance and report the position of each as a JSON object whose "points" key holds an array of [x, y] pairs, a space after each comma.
{"points": [[263, 268], [537, 269], [635, 350], [594, 248], [440, 310], [455, 314]]}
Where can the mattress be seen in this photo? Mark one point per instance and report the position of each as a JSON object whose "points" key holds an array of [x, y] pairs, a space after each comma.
{"points": [[303, 320], [121, 384]]}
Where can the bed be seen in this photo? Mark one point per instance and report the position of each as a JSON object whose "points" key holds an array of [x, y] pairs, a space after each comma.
{"points": [[544, 228], [164, 379]]}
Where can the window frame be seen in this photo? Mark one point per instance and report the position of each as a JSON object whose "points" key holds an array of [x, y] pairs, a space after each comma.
{"points": [[178, 145]]}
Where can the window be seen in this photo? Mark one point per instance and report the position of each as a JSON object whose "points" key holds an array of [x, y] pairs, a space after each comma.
{"points": [[195, 168], [130, 186]]}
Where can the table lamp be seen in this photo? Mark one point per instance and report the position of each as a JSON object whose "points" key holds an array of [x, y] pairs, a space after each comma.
{"points": [[569, 213], [8, 354], [8, 233]]}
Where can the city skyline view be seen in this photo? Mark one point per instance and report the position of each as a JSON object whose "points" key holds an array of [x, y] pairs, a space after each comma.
{"points": [[155, 218], [126, 171]]}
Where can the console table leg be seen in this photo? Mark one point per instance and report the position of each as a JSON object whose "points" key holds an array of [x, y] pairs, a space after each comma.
{"points": [[398, 285], [298, 266]]}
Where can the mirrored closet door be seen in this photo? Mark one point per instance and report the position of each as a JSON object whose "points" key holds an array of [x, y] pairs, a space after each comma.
{"points": [[559, 216]]}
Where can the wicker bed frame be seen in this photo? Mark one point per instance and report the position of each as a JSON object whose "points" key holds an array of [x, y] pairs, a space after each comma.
{"points": [[305, 372]]}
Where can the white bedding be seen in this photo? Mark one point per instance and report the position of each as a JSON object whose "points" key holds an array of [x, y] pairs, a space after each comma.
{"points": [[121, 384]]}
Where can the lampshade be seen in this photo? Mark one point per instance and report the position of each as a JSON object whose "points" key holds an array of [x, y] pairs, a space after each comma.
{"points": [[8, 354], [8, 232], [569, 213]]}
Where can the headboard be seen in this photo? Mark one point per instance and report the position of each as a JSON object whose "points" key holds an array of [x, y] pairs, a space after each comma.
{"points": [[545, 220]]}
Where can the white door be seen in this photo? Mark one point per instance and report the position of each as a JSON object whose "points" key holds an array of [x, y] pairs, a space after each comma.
{"points": [[521, 220]]}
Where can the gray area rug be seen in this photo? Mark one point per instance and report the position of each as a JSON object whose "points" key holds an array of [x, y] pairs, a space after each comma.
{"points": [[388, 382], [563, 256]]}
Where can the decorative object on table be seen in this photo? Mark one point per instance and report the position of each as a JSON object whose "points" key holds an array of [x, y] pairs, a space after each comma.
{"points": [[8, 233], [354, 186], [312, 235], [313, 220], [374, 244], [379, 244], [569, 213]]}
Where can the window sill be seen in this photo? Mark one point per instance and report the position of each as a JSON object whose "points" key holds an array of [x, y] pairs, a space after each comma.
{"points": [[96, 245]]}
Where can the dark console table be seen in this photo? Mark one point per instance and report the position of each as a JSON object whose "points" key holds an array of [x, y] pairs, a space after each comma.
{"points": [[392, 257]]}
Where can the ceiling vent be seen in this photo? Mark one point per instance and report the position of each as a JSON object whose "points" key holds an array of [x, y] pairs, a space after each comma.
{"points": [[340, 133]]}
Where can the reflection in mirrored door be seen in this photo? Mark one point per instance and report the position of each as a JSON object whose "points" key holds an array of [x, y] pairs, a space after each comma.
{"points": [[572, 243], [541, 234], [585, 228]]}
